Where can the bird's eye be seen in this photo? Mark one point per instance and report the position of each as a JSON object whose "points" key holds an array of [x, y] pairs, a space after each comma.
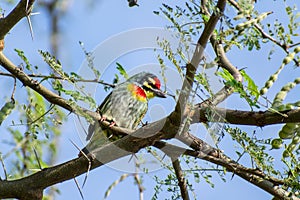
{"points": [[147, 87], [154, 83]]}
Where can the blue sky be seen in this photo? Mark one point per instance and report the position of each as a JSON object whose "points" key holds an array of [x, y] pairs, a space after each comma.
{"points": [[94, 24]]}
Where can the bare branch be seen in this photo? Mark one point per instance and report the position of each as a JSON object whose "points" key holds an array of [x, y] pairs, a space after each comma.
{"points": [[128, 144], [55, 77], [181, 179], [198, 55], [138, 181], [223, 60], [254, 176], [252, 118]]}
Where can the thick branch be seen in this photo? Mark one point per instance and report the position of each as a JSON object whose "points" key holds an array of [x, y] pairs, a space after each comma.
{"points": [[254, 176], [35, 183], [252, 118], [149, 135], [230, 116], [248, 175], [198, 55]]}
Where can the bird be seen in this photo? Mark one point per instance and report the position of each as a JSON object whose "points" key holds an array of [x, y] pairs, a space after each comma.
{"points": [[125, 106]]}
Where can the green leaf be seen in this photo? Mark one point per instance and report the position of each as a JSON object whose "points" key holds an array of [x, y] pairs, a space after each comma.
{"points": [[251, 86], [122, 70], [24, 58]]}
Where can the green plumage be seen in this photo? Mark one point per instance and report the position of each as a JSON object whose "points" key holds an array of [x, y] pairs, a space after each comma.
{"points": [[125, 107]]}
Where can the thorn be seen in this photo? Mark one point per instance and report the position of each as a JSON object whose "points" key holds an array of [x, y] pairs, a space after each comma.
{"points": [[80, 122], [28, 13], [37, 158], [26, 7], [78, 187], [132, 156], [164, 156], [109, 137], [36, 13], [88, 170], [3, 166], [88, 159]]}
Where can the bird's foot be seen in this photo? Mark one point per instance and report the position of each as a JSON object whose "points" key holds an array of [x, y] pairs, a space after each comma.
{"points": [[102, 119], [112, 124]]}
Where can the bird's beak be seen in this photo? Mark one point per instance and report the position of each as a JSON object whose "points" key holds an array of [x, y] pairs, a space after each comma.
{"points": [[159, 93]]}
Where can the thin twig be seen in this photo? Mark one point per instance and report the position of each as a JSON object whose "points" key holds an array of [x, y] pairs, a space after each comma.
{"points": [[17, 146], [3, 166], [204, 170], [61, 78], [37, 119], [139, 184], [138, 181], [14, 90], [266, 35], [293, 45], [181, 179]]}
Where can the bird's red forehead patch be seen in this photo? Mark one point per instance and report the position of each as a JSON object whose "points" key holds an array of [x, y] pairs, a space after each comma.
{"points": [[157, 82]]}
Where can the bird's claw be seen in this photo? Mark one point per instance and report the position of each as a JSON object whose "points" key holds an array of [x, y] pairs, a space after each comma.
{"points": [[112, 124], [102, 119]]}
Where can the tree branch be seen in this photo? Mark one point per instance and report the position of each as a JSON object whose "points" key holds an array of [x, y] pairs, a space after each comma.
{"points": [[21, 10], [181, 179], [284, 47], [55, 77], [29, 82], [261, 118], [252, 118], [223, 60], [254, 176], [32, 187], [198, 56], [35, 183]]}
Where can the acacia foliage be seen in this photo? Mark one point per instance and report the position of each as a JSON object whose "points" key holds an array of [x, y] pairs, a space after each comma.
{"points": [[240, 28]]}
